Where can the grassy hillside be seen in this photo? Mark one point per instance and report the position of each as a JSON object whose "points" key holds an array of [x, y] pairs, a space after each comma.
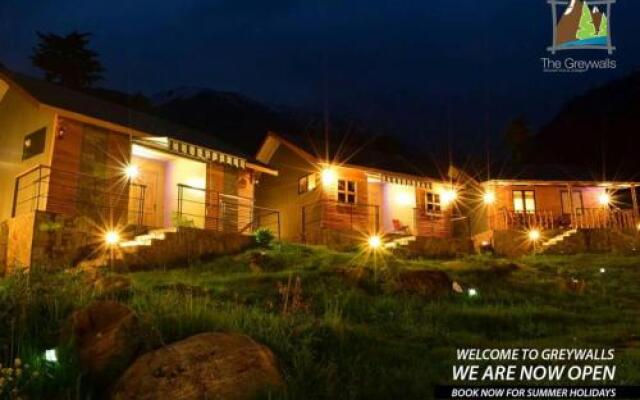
{"points": [[347, 331]]}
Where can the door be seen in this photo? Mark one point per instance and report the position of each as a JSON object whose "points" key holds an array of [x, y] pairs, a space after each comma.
{"points": [[577, 202]]}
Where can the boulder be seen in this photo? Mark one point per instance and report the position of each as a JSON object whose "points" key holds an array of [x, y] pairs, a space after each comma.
{"points": [[112, 285], [106, 336], [204, 366], [427, 283]]}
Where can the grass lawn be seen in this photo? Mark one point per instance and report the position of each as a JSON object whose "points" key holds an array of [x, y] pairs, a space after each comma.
{"points": [[345, 339]]}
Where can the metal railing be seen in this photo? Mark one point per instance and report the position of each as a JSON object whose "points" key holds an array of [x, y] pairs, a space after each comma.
{"points": [[338, 216], [212, 210], [102, 199], [582, 218]]}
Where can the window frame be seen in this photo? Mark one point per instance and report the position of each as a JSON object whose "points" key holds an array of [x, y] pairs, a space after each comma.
{"points": [[346, 192], [435, 203], [307, 186], [34, 144], [522, 199]]}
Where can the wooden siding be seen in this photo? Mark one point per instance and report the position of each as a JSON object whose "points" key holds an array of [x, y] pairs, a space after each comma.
{"points": [[431, 225]]}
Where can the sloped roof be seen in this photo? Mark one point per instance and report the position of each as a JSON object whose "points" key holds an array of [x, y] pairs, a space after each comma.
{"points": [[363, 154], [75, 101], [555, 172]]}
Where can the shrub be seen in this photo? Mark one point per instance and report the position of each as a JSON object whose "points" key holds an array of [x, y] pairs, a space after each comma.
{"points": [[264, 237]]}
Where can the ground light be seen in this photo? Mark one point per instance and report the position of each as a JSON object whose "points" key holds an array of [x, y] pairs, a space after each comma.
{"points": [[472, 292], [51, 355], [131, 171], [489, 198], [329, 176], [534, 235], [374, 242], [603, 270], [112, 238]]}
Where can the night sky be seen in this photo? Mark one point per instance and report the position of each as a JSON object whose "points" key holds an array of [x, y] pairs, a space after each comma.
{"points": [[423, 69]]}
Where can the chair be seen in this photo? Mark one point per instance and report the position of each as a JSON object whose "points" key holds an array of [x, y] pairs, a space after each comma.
{"points": [[398, 227]]}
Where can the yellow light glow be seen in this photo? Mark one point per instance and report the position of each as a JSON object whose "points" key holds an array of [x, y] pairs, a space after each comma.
{"points": [[112, 238], [604, 199], [198, 183], [534, 235], [404, 199], [329, 176], [489, 198], [638, 227], [375, 242], [448, 196], [132, 171]]}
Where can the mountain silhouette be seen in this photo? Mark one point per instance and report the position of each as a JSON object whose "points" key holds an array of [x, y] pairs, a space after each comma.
{"points": [[569, 22], [597, 130]]}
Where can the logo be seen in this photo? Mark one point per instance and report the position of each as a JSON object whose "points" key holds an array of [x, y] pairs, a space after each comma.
{"points": [[584, 25], [580, 25]]}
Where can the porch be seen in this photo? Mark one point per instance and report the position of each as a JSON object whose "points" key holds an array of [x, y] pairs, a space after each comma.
{"points": [[114, 201], [583, 218]]}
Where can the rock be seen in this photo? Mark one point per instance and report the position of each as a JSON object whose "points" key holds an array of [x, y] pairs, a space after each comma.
{"points": [[573, 285], [106, 336], [354, 274], [424, 282], [204, 366], [112, 285], [457, 287]]}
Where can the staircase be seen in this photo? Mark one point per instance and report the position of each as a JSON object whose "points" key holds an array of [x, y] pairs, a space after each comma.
{"points": [[147, 239], [556, 240], [395, 242]]}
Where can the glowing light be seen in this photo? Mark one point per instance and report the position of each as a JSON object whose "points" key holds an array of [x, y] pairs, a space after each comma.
{"points": [[404, 199], [638, 227], [534, 235], [51, 355], [489, 198], [472, 292], [375, 242], [448, 196], [329, 176], [198, 183], [604, 199], [603, 270], [131, 171], [112, 238]]}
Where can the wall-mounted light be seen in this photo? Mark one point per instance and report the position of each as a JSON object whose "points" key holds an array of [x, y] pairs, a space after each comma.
{"points": [[329, 176], [448, 196], [51, 355], [489, 197], [131, 171], [604, 199], [404, 199]]}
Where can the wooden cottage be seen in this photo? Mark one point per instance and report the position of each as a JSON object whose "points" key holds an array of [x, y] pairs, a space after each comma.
{"points": [[357, 194], [66, 153]]}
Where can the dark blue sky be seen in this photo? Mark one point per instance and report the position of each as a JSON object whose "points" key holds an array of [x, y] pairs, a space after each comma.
{"points": [[420, 68]]}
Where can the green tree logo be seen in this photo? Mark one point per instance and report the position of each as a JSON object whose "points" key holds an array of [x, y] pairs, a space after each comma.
{"points": [[604, 26], [586, 28]]}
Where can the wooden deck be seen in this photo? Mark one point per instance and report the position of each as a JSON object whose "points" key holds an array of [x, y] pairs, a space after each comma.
{"points": [[586, 218]]}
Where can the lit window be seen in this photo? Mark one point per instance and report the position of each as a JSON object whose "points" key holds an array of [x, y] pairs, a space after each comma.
{"points": [[432, 203], [524, 201], [346, 191], [307, 183]]}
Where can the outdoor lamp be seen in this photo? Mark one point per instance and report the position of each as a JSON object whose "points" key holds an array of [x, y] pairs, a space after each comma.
{"points": [[329, 176], [132, 171], [489, 197], [112, 238], [375, 242]]}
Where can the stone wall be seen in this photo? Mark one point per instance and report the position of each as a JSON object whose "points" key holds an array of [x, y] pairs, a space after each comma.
{"points": [[439, 247], [19, 237], [182, 248], [598, 241], [61, 241], [515, 243]]}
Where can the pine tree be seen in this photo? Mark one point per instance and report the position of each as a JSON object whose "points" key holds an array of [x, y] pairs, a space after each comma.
{"points": [[586, 28], [67, 59], [604, 26]]}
